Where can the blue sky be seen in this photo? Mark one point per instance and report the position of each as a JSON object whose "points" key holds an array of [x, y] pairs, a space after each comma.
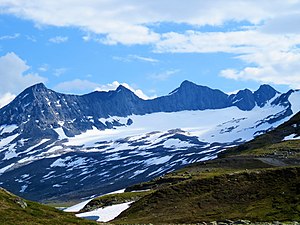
{"points": [[149, 46]]}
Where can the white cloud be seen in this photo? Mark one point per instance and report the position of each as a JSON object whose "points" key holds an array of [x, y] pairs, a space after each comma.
{"points": [[6, 98], [58, 39], [274, 58], [13, 76], [164, 75], [128, 22], [269, 45], [131, 58], [286, 23], [31, 38], [9, 37]]}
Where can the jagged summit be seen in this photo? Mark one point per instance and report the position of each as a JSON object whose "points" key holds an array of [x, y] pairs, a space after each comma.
{"points": [[264, 93]]}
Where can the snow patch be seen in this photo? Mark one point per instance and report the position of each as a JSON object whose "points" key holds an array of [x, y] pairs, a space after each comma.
{"points": [[11, 152], [291, 137], [105, 214], [66, 162], [7, 140], [23, 188], [7, 128], [157, 160], [2, 170], [61, 133], [175, 143], [79, 206]]}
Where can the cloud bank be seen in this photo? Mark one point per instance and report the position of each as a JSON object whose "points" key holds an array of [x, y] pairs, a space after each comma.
{"points": [[268, 45]]}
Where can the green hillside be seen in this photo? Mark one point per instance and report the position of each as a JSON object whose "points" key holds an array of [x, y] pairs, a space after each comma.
{"points": [[268, 195], [17, 211]]}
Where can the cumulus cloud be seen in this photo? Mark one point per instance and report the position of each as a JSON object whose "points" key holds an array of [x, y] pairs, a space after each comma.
{"points": [[273, 66], [14, 76], [273, 58]]}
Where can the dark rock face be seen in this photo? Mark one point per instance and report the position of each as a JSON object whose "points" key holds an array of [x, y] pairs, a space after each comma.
{"points": [[244, 100], [263, 94], [190, 96], [247, 100]]}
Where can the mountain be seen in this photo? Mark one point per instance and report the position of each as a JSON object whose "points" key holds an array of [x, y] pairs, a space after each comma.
{"points": [[17, 211], [56, 146]]}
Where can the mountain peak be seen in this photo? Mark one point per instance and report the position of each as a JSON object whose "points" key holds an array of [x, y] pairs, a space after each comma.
{"points": [[38, 86], [187, 83], [124, 91], [266, 87], [121, 88], [264, 93]]}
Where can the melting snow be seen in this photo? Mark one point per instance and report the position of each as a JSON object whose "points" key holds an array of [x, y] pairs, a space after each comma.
{"points": [[79, 206], [7, 140], [105, 214], [61, 133], [2, 170], [60, 162], [157, 160], [66, 162], [175, 143], [292, 137], [35, 146], [11, 152], [7, 128], [23, 188]]}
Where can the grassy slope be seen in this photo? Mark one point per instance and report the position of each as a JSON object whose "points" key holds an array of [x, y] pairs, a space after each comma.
{"points": [[12, 213], [267, 195], [259, 181]]}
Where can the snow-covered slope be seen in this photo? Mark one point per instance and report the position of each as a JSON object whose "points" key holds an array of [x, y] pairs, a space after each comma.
{"points": [[77, 153]]}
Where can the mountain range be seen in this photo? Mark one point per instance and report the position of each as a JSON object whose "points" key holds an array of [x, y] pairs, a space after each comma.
{"points": [[56, 146]]}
